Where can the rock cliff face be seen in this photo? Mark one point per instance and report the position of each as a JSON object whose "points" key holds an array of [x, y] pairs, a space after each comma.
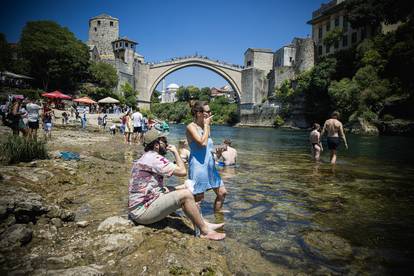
{"points": [[260, 115], [396, 127], [264, 115], [363, 127]]}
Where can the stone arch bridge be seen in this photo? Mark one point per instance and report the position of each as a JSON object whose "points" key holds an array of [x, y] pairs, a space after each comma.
{"points": [[149, 75]]}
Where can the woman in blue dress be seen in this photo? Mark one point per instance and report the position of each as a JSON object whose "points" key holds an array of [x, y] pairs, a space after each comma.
{"points": [[201, 165]]}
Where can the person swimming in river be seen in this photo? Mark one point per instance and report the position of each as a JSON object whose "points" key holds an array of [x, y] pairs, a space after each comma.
{"points": [[228, 154], [315, 140], [335, 131]]}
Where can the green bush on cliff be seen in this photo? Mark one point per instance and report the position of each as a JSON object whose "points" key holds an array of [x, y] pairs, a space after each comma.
{"points": [[17, 149], [278, 121]]}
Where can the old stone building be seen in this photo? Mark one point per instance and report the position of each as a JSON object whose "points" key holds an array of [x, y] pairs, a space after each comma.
{"points": [[331, 16], [266, 70], [106, 45]]}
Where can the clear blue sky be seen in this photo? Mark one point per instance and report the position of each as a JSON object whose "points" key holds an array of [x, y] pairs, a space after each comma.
{"points": [[219, 29]]}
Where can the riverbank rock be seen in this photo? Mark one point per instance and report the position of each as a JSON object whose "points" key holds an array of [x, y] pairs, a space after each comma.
{"points": [[397, 127], [15, 235], [90, 270], [22, 203], [327, 246], [114, 224], [363, 127]]}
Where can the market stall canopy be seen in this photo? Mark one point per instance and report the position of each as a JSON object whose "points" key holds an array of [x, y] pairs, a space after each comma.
{"points": [[85, 100], [56, 95], [108, 100], [15, 76]]}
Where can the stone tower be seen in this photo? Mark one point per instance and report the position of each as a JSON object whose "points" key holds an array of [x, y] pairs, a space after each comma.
{"points": [[103, 29]]}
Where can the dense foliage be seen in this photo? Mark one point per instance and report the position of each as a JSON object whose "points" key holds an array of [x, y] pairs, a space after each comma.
{"points": [[103, 74], [5, 53], [130, 95], [56, 59]]}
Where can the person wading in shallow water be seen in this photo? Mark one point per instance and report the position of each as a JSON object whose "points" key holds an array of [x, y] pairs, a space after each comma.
{"points": [[334, 129], [201, 164], [315, 140], [149, 200]]}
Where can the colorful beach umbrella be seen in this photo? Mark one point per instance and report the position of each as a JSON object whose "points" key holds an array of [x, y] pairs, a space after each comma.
{"points": [[85, 100], [108, 100], [56, 95]]}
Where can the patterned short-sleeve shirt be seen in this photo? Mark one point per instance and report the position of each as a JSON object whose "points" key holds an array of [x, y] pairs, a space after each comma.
{"points": [[147, 180]]}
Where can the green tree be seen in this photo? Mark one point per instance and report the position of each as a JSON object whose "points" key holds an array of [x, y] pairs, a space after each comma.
{"points": [[5, 53], [205, 94], [155, 96], [56, 58], [373, 12], [103, 74], [130, 94], [194, 92], [333, 36], [314, 86], [284, 92], [97, 93], [345, 96], [183, 94]]}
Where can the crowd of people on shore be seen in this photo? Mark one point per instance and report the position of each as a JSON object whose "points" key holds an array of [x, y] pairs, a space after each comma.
{"points": [[24, 116]]}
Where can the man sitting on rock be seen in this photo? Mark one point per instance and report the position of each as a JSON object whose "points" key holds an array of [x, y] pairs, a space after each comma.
{"points": [[149, 200]]}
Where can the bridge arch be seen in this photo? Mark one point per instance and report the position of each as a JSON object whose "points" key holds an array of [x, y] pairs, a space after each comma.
{"points": [[159, 71]]}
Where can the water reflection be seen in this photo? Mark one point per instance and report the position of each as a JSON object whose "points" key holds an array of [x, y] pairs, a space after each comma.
{"points": [[355, 217]]}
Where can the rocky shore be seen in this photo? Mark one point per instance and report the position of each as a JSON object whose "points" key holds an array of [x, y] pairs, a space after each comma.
{"points": [[70, 218]]}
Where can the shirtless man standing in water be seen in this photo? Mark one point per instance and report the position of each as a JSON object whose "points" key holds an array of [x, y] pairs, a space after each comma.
{"points": [[334, 129]]}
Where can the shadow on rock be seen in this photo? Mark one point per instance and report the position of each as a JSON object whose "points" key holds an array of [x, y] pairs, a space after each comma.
{"points": [[173, 221]]}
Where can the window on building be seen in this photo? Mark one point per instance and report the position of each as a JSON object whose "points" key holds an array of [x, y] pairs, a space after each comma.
{"points": [[132, 46], [126, 44], [99, 22], [345, 24], [320, 33], [354, 37], [345, 41], [327, 48], [328, 26], [290, 59], [363, 33], [111, 23], [336, 21], [319, 50], [249, 63], [95, 29], [336, 44]]}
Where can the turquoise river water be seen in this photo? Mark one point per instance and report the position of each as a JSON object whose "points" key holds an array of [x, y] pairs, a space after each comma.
{"points": [[353, 218]]}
